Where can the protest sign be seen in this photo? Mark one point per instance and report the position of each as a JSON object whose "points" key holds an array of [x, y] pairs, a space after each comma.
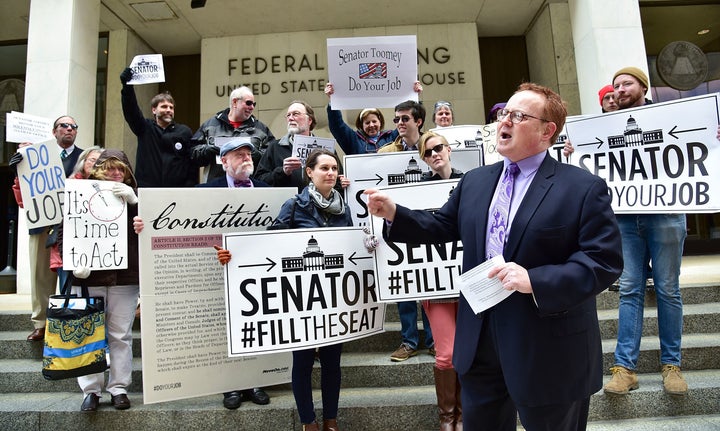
{"points": [[42, 180], [20, 127], [184, 342], [94, 226], [317, 289], [481, 136], [304, 145], [367, 171], [658, 158], [408, 271], [372, 71], [147, 69]]}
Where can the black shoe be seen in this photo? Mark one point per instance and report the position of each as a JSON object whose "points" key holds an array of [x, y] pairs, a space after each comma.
{"points": [[232, 400], [90, 403], [257, 396], [120, 402]]}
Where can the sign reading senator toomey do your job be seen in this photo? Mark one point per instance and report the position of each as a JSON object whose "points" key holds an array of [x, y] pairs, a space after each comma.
{"points": [[659, 158], [184, 344], [317, 289]]}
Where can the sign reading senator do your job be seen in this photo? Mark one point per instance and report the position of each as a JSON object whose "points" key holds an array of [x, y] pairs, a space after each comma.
{"points": [[368, 171], [42, 180], [417, 271], [372, 71], [317, 289], [659, 158], [184, 344]]}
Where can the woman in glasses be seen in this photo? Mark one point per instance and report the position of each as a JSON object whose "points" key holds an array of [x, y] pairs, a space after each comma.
{"points": [[435, 151], [369, 135], [443, 114]]}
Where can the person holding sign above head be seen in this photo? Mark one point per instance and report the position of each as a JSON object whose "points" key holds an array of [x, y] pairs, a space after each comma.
{"points": [[551, 232], [369, 135], [442, 313], [119, 287], [237, 120], [443, 114], [43, 281], [409, 118], [318, 205], [164, 147]]}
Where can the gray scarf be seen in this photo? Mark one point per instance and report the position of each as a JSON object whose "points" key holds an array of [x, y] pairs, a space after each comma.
{"points": [[334, 205]]}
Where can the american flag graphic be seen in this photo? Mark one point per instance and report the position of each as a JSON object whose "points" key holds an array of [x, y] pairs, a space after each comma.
{"points": [[373, 70]]}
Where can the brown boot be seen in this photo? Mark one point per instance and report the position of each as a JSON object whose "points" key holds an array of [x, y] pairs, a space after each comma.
{"points": [[310, 427], [458, 408], [330, 425], [445, 388]]}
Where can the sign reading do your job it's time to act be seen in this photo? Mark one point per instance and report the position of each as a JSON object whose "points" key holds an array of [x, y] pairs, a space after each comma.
{"points": [[658, 158], [317, 289]]}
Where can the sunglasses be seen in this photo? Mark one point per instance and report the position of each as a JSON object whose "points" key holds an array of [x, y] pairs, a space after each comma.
{"points": [[67, 125], [442, 103], [404, 119], [437, 148], [250, 103]]}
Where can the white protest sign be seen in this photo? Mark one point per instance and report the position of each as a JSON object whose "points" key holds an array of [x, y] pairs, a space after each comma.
{"points": [[42, 180], [367, 171], [184, 339], [95, 226], [659, 158], [473, 136], [317, 289], [147, 69], [20, 127], [372, 71], [304, 145], [417, 271]]}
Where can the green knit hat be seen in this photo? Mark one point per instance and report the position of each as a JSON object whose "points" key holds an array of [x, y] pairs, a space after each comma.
{"points": [[636, 72]]}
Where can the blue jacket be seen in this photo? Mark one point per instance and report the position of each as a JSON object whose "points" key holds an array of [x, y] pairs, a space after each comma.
{"points": [[299, 212], [356, 141]]}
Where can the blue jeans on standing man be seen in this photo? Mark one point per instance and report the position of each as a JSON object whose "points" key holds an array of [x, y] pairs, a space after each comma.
{"points": [[663, 237], [409, 327]]}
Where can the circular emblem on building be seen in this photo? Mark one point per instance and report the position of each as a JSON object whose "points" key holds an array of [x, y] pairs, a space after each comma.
{"points": [[682, 65]]}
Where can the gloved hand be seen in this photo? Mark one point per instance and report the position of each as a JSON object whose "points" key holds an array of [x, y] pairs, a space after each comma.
{"points": [[126, 192], [82, 272], [126, 75], [370, 241], [223, 255], [15, 159], [204, 153]]}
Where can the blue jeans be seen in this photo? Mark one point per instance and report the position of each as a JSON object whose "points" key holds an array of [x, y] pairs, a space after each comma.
{"points": [[409, 327], [662, 236]]}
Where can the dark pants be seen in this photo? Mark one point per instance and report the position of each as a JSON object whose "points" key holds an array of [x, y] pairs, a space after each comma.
{"points": [[303, 361]]}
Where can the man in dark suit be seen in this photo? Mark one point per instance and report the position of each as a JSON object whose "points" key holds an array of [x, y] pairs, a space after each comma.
{"points": [[65, 131], [538, 352], [237, 162]]}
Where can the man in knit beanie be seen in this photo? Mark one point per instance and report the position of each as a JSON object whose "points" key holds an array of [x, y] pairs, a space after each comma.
{"points": [[607, 99], [661, 236]]}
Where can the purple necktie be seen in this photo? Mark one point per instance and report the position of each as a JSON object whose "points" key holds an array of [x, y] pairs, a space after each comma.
{"points": [[243, 183], [498, 220]]}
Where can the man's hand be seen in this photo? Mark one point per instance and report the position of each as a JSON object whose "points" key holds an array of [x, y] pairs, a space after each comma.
{"points": [[329, 89], [126, 76], [223, 255], [291, 164], [380, 204], [512, 276], [568, 149]]}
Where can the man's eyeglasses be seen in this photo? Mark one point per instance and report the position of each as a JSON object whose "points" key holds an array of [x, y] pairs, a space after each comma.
{"points": [[437, 148], [404, 119], [294, 114], [67, 125], [250, 103], [517, 116]]}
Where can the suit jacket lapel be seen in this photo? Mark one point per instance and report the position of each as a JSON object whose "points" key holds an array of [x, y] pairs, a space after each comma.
{"points": [[534, 196]]}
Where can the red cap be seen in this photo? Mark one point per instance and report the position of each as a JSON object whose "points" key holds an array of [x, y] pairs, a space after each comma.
{"points": [[605, 90]]}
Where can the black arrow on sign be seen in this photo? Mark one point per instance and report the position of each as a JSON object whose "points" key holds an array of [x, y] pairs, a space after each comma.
{"points": [[598, 141], [377, 178], [673, 132], [271, 264], [352, 258]]}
